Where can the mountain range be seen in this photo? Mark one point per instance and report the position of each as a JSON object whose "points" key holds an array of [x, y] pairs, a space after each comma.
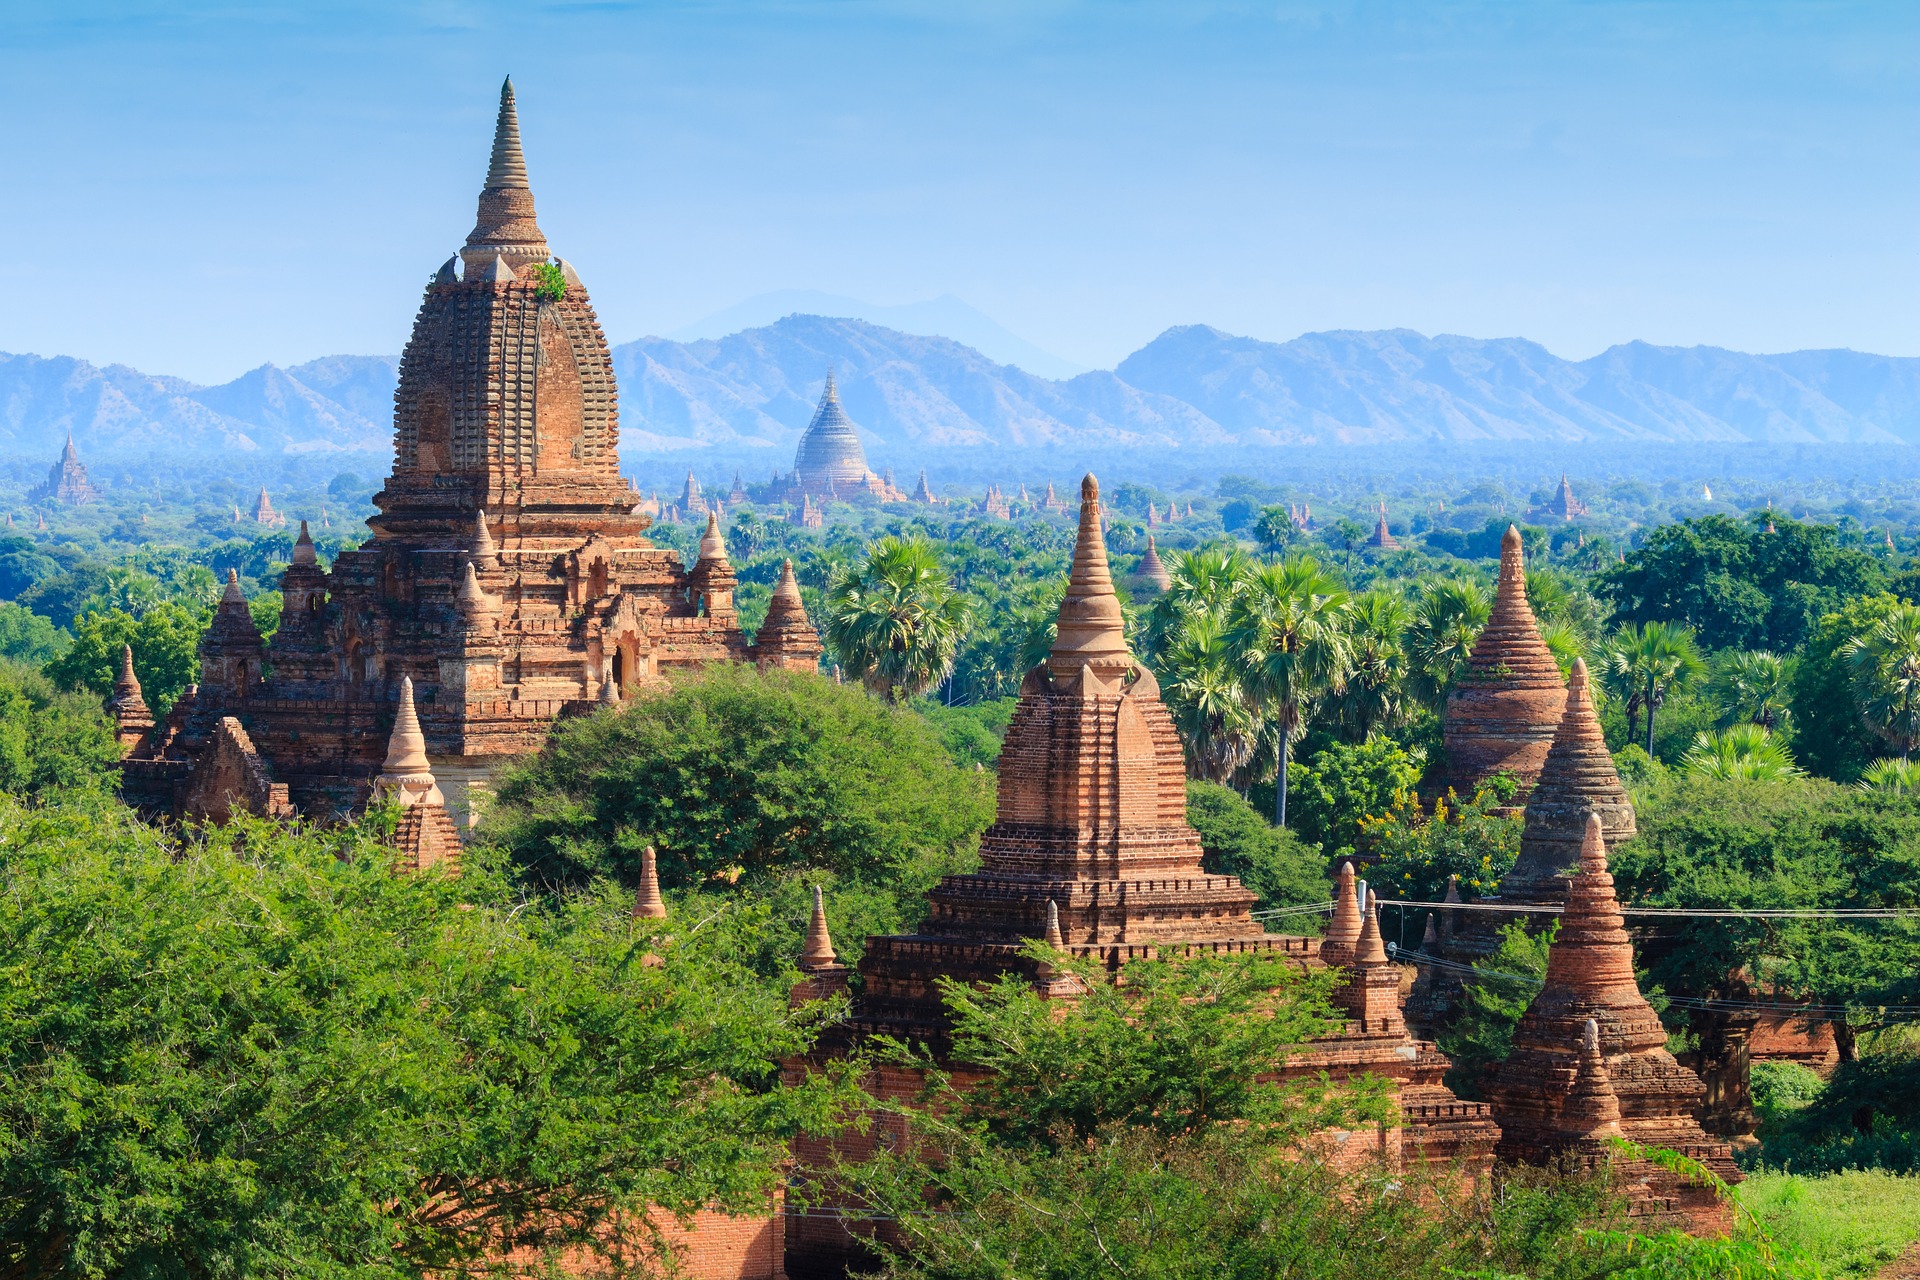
{"points": [[1191, 386]]}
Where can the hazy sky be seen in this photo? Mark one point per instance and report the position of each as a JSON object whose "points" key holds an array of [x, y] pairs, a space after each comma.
{"points": [[196, 188]]}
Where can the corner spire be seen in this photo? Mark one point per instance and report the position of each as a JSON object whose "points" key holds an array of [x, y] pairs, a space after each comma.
{"points": [[1343, 934], [505, 227], [303, 552], [1371, 949], [818, 952], [1090, 631], [713, 547], [647, 903], [407, 745]]}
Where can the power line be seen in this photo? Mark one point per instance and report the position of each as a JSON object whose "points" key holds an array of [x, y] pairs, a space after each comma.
{"points": [[1691, 913]]}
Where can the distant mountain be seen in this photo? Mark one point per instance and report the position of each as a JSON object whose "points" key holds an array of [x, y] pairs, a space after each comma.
{"points": [[1191, 386], [1395, 385], [761, 386], [946, 315], [272, 410]]}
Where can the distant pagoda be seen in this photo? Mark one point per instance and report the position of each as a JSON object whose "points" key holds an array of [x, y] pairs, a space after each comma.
{"points": [[830, 463], [1383, 538], [67, 483], [263, 512], [1563, 506]]}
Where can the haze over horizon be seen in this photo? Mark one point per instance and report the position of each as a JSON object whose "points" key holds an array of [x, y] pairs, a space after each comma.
{"points": [[198, 190]]}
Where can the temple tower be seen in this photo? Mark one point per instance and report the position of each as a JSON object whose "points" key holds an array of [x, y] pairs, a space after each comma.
{"points": [[786, 637], [1151, 574], [1503, 714], [1590, 977], [67, 483]]}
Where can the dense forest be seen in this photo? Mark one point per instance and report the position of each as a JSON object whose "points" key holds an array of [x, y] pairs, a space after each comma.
{"points": [[224, 1048]]}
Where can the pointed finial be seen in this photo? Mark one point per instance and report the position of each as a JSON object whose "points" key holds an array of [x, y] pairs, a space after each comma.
{"points": [[303, 552], [1054, 937], [484, 552], [507, 165], [473, 602], [407, 745], [1090, 632], [1337, 947], [713, 547], [1371, 949], [609, 688], [647, 903], [233, 594], [128, 681], [818, 952]]}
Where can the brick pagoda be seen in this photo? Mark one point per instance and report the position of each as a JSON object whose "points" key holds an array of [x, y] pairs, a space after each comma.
{"points": [[830, 465], [1535, 1091], [67, 483], [1502, 714], [508, 578], [1091, 849]]}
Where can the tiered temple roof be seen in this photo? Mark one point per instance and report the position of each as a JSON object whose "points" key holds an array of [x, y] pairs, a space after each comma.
{"points": [[1563, 506], [1503, 713], [786, 637], [67, 483], [1151, 573], [830, 463], [1578, 780], [1382, 537], [1536, 1093], [508, 580]]}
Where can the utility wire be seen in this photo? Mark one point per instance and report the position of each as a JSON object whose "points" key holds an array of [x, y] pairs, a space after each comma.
{"points": [[1692, 913]]}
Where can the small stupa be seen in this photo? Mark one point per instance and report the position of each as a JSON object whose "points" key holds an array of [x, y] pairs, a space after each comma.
{"points": [[1151, 575]]}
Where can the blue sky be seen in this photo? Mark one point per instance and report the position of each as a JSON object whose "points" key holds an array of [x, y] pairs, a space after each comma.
{"points": [[198, 188]]}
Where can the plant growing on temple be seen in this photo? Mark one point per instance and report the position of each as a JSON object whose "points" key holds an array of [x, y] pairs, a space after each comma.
{"points": [[549, 282], [256, 1051], [1288, 628], [750, 782], [894, 622], [1885, 663]]}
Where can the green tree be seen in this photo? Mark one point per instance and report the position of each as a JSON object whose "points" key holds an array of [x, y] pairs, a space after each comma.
{"points": [[750, 781], [1742, 751], [166, 657], [52, 743], [1202, 687], [25, 636], [1752, 685], [1738, 586], [1273, 529], [256, 1051], [1885, 661], [1374, 696], [1901, 776], [1704, 842], [1342, 785], [1447, 617], [1271, 861], [1829, 736], [1651, 661], [1491, 1004], [1288, 627], [1417, 854], [893, 621]]}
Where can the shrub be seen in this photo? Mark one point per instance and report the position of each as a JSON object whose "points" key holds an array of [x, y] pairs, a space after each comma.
{"points": [[1273, 862]]}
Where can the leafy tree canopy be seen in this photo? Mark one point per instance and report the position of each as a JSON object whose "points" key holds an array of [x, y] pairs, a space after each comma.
{"points": [[52, 743], [1343, 784], [1272, 861], [25, 636], [746, 778], [261, 1053], [166, 658], [1737, 586], [1830, 736]]}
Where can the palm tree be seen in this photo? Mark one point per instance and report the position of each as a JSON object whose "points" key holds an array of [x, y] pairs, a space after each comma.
{"points": [[1886, 676], [1201, 686], [1375, 694], [1205, 583], [1752, 685], [1746, 752], [1655, 658], [893, 621], [1288, 632], [1891, 775], [1565, 643], [1447, 618]]}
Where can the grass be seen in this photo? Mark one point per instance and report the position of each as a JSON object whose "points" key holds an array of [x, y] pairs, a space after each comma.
{"points": [[1850, 1223]]}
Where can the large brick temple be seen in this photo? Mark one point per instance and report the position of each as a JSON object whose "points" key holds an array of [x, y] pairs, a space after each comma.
{"points": [[1092, 850], [508, 578]]}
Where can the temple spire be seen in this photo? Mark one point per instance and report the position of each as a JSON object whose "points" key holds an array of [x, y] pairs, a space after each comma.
{"points": [[1343, 934], [1371, 949], [1091, 631], [303, 552], [407, 745], [647, 903], [505, 227], [818, 952]]}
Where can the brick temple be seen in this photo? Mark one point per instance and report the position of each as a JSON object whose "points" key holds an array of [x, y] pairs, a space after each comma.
{"points": [[1506, 707], [1591, 1032], [508, 581], [67, 484], [1091, 849]]}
